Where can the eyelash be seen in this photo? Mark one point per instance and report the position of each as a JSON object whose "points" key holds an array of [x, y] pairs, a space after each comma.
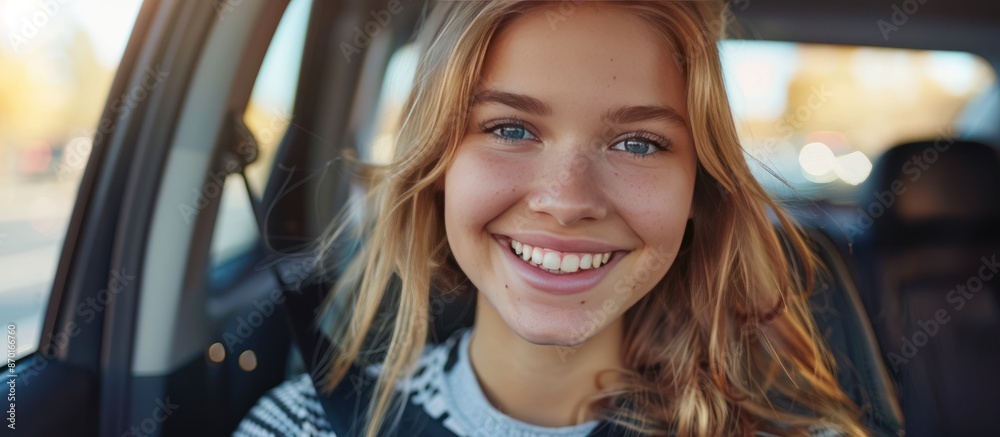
{"points": [[489, 127], [658, 142]]}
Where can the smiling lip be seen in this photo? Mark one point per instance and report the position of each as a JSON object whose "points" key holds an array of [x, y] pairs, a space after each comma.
{"points": [[561, 284], [565, 246]]}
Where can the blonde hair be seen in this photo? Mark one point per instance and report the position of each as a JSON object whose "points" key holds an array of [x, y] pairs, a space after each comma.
{"points": [[724, 344]]}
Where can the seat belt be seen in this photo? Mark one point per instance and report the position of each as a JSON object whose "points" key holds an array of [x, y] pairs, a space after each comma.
{"points": [[346, 406], [291, 272]]}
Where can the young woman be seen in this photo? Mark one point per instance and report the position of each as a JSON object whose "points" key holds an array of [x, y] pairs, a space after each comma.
{"points": [[577, 166]]}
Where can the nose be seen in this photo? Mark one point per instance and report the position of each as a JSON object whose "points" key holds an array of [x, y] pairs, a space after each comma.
{"points": [[569, 189]]}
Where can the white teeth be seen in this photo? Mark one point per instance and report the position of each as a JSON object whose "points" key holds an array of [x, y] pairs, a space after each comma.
{"points": [[550, 261], [537, 255], [570, 263], [558, 262]]}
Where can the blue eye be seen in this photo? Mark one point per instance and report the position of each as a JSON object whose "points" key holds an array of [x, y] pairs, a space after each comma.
{"points": [[511, 132], [639, 146]]}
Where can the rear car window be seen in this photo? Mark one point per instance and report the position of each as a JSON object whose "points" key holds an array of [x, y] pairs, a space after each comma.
{"points": [[818, 115]]}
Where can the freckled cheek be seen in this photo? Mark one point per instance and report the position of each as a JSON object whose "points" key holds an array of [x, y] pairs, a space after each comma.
{"points": [[656, 206], [479, 188]]}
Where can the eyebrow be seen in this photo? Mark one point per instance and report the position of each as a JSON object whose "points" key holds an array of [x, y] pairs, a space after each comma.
{"points": [[632, 114], [520, 102], [622, 115]]}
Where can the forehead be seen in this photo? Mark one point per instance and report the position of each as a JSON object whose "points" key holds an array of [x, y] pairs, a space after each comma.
{"points": [[593, 52]]}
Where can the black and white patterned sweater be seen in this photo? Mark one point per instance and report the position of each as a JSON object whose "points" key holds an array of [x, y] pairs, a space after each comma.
{"points": [[445, 401]]}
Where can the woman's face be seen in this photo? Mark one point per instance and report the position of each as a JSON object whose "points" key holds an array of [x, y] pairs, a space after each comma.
{"points": [[577, 149]]}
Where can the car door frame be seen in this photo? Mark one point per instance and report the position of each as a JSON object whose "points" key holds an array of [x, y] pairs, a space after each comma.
{"points": [[87, 345]]}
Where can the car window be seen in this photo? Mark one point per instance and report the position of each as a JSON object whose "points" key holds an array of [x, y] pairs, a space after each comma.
{"points": [[377, 137], [57, 62], [818, 115], [268, 116]]}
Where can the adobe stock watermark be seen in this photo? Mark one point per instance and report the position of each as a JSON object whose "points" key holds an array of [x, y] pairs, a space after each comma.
{"points": [[794, 120], [959, 297], [77, 150], [245, 326], [74, 157], [624, 290], [365, 34], [568, 7], [726, 20], [30, 26], [123, 106], [577, 165], [438, 304], [213, 187], [223, 7], [91, 307], [88, 312], [151, 424], [297, 274], [211, 190], [914, 168], [898, 17], [11, 375]]}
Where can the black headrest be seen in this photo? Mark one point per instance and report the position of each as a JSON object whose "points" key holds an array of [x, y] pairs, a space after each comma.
{"points": [[934, 187]]}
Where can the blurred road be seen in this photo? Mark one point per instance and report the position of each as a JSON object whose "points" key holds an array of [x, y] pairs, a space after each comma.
{"points": [[33, 220], [34, 214]]}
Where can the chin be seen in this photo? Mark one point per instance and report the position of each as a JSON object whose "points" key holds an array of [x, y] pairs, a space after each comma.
{"points": [[553, 330]]}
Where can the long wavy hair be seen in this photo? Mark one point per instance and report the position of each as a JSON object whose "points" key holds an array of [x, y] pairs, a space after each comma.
{"points": [[724, 344]]}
